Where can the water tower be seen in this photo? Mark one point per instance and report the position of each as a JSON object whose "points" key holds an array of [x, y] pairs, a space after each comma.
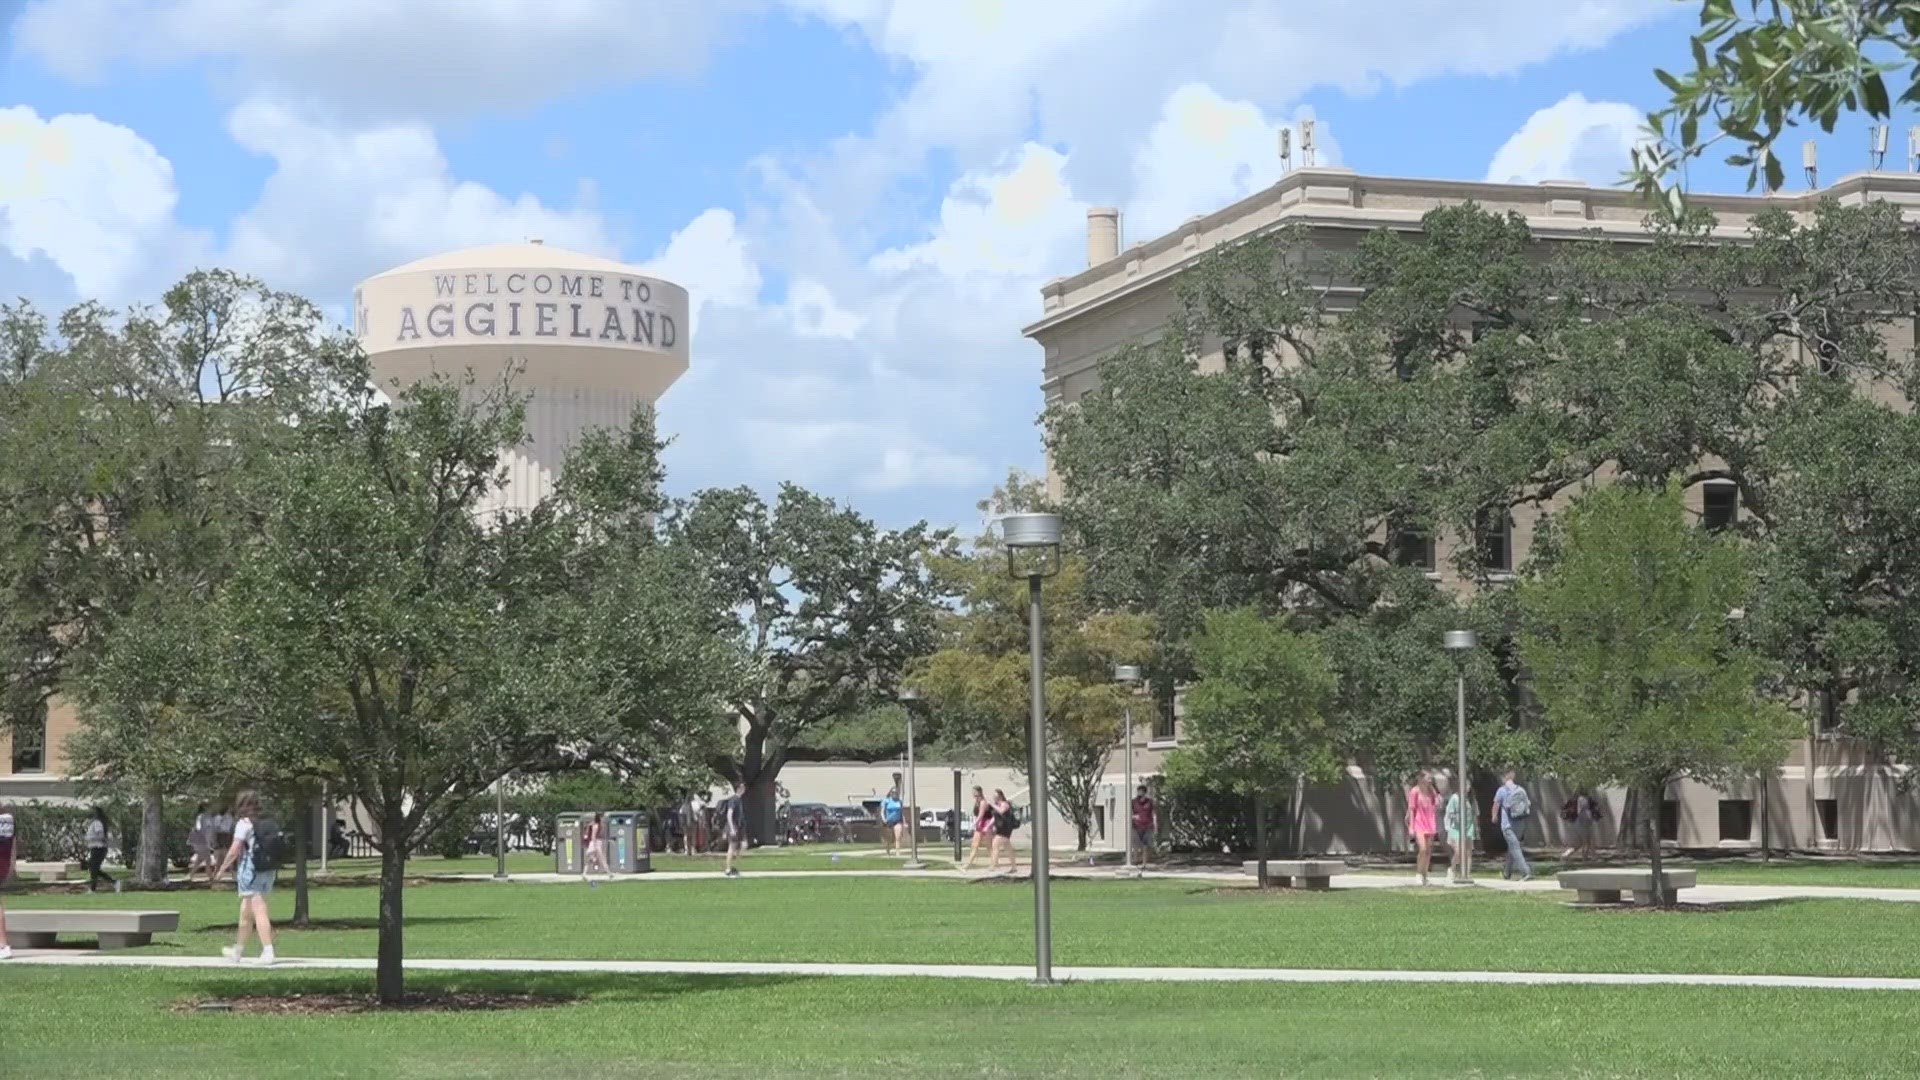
{"points": [[591, 339]]}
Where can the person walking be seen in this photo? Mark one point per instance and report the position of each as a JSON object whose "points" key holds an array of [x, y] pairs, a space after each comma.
{"points": [[1581, 812], [1004, 822], [593, 849], [733, 813], [8, 836], [253, 873], [222, 832], [1512, 808], [1422, 807], [982, 825], [97, 850], [200, 843], [1462, 831], [893, 831], [1145, 818]]}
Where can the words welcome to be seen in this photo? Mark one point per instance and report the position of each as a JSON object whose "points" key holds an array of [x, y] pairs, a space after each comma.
{"points": [[592, 307]]}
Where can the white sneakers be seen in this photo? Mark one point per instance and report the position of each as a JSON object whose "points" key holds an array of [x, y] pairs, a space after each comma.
{"points": [[234, 956], [6, 952]]}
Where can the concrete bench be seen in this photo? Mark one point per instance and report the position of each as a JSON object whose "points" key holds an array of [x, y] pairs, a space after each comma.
{"points": [[46, 871], [113, 929], [1299, 873], [1605, 886]]}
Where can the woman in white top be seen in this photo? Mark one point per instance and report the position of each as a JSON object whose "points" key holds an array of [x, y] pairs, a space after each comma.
{"points": [[593, 848], [97, 850], [255, 885], [200, 841]]}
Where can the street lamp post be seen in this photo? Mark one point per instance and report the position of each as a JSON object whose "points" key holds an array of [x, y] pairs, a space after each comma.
{"points": [[1459, 643], [500, 828], [1128, 676], [1033, 552], [910, 697]]}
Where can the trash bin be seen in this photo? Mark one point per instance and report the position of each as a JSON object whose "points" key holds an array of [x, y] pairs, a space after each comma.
{"points": [[568, 858], [628, 851]]}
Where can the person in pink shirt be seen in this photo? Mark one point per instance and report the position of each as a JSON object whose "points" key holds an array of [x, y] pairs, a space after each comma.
{"points": [[1422, 799]]}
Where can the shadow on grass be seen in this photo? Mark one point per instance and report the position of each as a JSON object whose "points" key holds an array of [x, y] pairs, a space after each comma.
{"points": [[1686, 907], [366, 923], [588, 987]]}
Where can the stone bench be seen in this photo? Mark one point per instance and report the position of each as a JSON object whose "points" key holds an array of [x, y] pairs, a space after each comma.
{"points": [[46, 871], [37, 929], [1299, 873], [1605, 886]]}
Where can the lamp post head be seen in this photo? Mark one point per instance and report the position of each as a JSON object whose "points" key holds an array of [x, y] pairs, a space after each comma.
{"points": [[1459, 641], [1126, 673], [1036, 537], [909, 695]]}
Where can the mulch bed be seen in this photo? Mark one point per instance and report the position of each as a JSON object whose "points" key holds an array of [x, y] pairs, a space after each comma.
{"points": [[325, 1004]]}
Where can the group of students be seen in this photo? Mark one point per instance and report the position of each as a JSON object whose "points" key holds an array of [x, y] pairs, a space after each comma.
{"points": [[733, 818], [1511, 813], [254, 883]]}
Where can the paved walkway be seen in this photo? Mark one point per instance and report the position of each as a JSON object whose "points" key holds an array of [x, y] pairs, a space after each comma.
{"points": [[1703, 894], [1007, 972]]}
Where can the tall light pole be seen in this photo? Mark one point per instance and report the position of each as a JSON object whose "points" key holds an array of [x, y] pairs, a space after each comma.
{"points": [[500, 828], [909, 697], [1128, 676], [1460, 643], [1033, 552]]}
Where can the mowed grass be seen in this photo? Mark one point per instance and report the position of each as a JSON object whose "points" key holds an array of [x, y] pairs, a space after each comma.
{"points": [[1107, 922], [92, 1023]]}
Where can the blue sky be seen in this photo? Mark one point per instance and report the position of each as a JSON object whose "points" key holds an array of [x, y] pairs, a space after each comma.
{"points": [[863, 195]]}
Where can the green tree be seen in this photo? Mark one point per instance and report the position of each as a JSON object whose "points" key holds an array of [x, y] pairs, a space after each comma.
{"points": [[1762, 67], [1627, 631], [979, 681], [123, 445], [1257, 721], [384, 627], [832, 609]]}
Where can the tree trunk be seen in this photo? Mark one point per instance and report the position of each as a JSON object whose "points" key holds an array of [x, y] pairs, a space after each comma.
{"points": [[1299, 822], [1080, 833], [390, 973], [761, 807], [302, 851], [1654, 791], [1766, 817], [1260, 838], [152, 871]]}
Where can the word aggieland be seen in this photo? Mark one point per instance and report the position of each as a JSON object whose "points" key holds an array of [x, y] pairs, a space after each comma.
{"points": [[585, 307]]}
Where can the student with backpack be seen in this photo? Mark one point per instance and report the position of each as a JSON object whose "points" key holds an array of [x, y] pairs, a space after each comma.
{"points": [[1512, 809], [7, 841], [254, 856]]}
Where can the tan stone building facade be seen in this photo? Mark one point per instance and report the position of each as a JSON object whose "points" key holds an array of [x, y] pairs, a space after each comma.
{"points": [[1829, 793]]}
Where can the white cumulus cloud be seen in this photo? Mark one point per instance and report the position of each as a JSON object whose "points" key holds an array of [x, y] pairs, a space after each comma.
{"points": [[94, 200], [1206, 152], [1572, 139]]}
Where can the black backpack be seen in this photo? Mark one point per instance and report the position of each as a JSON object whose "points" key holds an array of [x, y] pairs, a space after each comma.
{"points": [[1011, 818], [269, 846]]}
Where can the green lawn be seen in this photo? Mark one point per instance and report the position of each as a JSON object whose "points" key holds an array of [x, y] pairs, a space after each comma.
{"points": [[1095, 922], [92, 1023]]}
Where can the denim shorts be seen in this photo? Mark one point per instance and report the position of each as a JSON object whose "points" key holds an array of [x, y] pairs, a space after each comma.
{"points": [[254, 884]]}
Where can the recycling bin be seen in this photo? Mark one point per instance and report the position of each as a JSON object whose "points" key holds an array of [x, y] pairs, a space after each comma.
{"points": [[628, 850], [568, 856]]}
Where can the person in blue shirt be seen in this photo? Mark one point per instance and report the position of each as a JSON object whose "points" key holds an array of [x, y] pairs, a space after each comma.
{"points": [[1512, 808], [893, 826]]}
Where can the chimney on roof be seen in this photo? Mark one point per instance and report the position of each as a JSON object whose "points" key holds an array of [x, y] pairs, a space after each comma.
{"points": [[1103, 234]]}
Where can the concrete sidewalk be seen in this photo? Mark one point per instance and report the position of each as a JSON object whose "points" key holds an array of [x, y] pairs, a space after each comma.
{"points": [[1703, 894], [1002, 972]]}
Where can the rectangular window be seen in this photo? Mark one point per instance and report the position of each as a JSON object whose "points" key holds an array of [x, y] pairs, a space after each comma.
{"points": [[1163, 722], [1829, 812], [1736, 819], [1493, 539], [28, 738], [1829, 714], [1720, 505], [1413, 546], [1670, 820]]}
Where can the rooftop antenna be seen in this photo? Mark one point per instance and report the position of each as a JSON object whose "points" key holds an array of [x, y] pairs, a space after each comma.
{"points": [[1306, 144], [1810, 161], [1877, 149], [1913, 149], [1286, 149]]}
